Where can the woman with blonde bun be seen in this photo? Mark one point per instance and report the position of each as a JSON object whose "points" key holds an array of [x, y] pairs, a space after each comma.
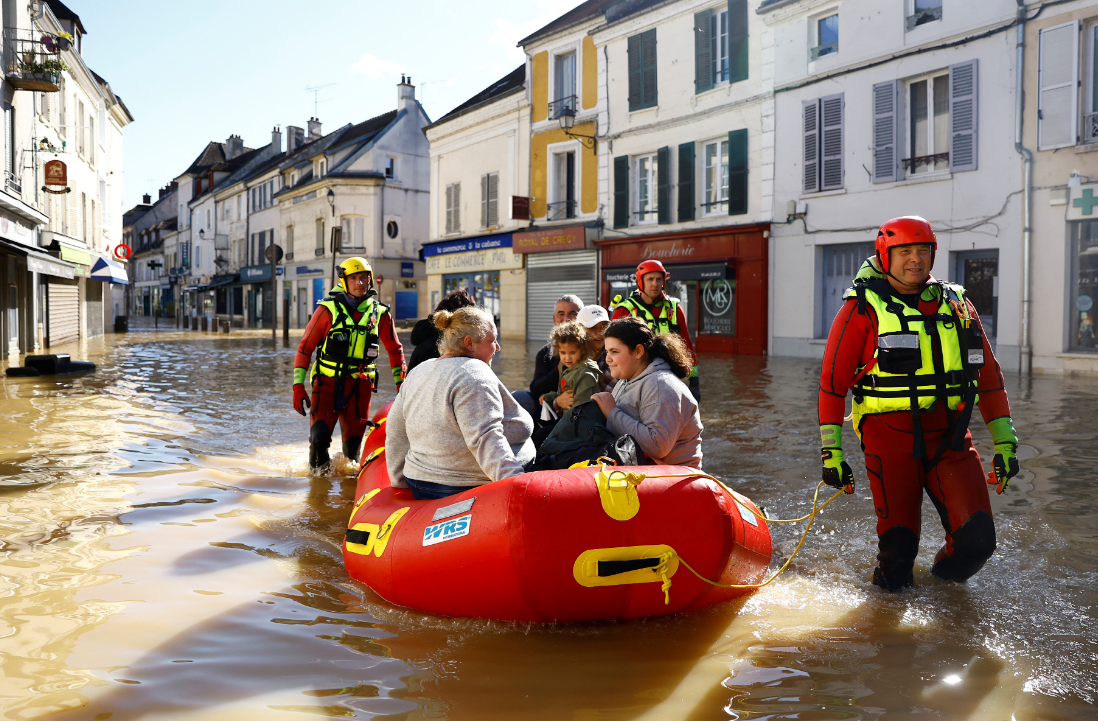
{"points": [[454, 425]]}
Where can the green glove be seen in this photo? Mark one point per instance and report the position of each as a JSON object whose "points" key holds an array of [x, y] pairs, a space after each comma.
{"points": [[1005, 463], [836, 472]]}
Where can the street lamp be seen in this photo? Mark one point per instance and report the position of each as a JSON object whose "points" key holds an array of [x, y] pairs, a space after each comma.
{"points": [[332, 201], [567, 118]]}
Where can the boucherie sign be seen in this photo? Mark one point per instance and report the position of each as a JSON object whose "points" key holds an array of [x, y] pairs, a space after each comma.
{"points": [[677, 250]]}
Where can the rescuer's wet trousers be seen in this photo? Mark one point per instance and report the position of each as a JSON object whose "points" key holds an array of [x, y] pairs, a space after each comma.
{"points": [[956, 486], [347, 401]]}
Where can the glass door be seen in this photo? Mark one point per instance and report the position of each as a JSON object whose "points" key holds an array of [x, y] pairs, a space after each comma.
{"points": [[978, 272]]}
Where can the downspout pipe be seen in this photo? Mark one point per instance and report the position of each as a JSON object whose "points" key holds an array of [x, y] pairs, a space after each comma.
{"points": [[1026, 355]]}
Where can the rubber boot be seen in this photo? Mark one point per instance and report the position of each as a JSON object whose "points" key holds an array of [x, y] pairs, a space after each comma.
{"points": [[320, 437], [898, 547], [968, 549], [350, 448]]}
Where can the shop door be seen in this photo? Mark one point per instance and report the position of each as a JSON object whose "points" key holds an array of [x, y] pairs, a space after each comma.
{"points": [[551, 275], [63, 312], [302, 305], [978, 272], [13, 319], [840, 265]]}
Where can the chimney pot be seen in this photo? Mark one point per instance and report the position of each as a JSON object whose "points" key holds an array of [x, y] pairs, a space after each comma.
{"points": [[314, 128], [146, 199]]}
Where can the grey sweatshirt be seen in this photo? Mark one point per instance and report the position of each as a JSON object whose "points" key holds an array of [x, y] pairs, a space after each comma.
{"points": [[656, 408], [455, 423]]}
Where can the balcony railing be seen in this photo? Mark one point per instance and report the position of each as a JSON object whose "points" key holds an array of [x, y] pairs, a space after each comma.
{"points": [[319, 252], [912, 164], [289, 257], [32, 60], [560, 211], [826, 49], [923, 17], [561, 105], [1090, 128]]}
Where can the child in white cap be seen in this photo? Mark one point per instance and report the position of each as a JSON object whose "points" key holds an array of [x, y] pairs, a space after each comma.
{"points": [[595, 319]]}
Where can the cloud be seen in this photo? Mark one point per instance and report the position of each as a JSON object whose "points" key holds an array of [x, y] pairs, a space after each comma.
{"points": [[507, 34], [376, 68]]}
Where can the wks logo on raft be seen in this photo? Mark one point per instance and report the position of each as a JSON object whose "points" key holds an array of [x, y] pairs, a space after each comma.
{"points": [[447, 530]]}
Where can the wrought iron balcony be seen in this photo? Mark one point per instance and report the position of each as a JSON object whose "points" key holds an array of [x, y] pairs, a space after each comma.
{"points": [[11, 182], [826, 49], [560, 211], [922, 17], [1090, 128], [32, 60], [561, 106], [912, 164]]}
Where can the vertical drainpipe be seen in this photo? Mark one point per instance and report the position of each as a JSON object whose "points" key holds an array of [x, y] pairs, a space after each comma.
{"points": [[1027, 194]]}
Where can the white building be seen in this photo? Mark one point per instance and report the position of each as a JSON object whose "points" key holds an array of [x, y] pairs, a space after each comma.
{"points": [[883, 110]]}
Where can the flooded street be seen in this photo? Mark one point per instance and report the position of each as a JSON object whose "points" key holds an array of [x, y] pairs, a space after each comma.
{"points": [[167, 555]]}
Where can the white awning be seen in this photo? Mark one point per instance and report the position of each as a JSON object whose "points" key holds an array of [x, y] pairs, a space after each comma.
{"points": [[108, 270]]}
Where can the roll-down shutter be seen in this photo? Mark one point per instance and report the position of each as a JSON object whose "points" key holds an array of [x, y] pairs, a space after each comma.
{"points": [[63, 311], [551, 275]]}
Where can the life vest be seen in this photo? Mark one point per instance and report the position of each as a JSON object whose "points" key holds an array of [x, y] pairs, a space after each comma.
{"points": [[666, 319], [351, 347]]}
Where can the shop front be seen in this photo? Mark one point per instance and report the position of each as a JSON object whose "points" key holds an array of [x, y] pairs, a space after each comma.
{"points": [[559, 261], [489, 269], [718, 274]]}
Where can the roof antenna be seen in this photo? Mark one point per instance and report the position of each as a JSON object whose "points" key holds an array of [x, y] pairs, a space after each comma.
{"points": [[315, 90]]}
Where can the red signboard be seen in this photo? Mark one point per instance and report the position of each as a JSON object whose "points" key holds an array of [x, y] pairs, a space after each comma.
{"points": [[677, 250], [520, 208], [543, 241], [57, 173]]}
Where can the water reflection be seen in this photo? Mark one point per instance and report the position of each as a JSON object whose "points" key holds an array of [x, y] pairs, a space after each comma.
{"points": [[166, 553]]}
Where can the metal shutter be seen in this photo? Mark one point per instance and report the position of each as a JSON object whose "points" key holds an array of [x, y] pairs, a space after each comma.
{"points": [[963, 119], [551, 275], [63, 311]]}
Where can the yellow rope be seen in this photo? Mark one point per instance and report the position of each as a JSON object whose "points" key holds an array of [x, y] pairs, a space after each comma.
{"points": [[753, 512]]}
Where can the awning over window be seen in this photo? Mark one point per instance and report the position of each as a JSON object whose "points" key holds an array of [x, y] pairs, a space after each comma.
{"points": [[73, 255], [39, 262], [109, 271]]}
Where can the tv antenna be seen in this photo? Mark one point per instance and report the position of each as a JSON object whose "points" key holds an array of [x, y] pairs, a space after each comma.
{"points": [[315, 90]]}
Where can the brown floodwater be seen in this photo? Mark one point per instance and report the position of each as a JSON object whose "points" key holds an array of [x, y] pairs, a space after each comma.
{"points": [[166, 555]]}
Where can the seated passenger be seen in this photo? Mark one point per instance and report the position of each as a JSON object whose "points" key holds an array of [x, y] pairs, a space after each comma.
{"points": [[579, 376], [454, 425], [546, 369], [651, 402], [595, 319], [425, 336]]}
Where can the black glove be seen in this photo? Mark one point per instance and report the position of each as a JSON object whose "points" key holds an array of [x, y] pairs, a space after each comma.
{"points": [[836, 472]]}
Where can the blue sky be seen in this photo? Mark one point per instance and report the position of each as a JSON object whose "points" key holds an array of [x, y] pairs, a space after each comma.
{"points": [[192, 72]]}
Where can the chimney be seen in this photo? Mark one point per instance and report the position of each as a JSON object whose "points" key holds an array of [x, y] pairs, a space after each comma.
{"points": [[295, 138], [146, 199], [234, 146], [406, 93], [314, 128], [276, 140]]}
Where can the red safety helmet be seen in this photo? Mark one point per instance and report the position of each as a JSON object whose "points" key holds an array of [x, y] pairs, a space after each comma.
{"points": [[650, 266], [908, 230]]}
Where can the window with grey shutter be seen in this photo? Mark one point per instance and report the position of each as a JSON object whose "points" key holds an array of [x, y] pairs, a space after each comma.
{"points": [[456, 213], [621, 191], [811, 146], [963, 119], [831, 112], [663, 185], [484, 201], [686, 182], [703, 51], [737, 41], [1057, 78], [642, 70], [737, 172], [449, 208], [886, 126], [493, 200]]}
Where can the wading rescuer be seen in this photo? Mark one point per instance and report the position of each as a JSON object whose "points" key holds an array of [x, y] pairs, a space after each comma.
{"points": [[346, 327], [912, 352], [661, 312]]}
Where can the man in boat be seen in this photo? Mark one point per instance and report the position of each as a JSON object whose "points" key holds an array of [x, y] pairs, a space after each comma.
{"points": [[661, 312], [347, 327], [912, 351]]}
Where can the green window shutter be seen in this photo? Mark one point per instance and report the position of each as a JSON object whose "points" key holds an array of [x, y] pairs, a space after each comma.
{"points": [[648, 68], [737, 172], [635, 79], [686, 182], [737, 40], [621, 191], [663, 185], [703, 51]]}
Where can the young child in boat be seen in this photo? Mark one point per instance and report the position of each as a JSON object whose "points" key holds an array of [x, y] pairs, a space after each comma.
{"points": [[579, 374]]}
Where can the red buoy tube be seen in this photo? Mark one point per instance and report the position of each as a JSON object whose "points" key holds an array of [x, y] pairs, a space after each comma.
{"points": [[581, 544]]}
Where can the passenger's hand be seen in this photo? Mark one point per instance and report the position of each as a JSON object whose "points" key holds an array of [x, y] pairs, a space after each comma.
{"points": [[541, 399], [301, 398], [564, 400], [605, 402]]}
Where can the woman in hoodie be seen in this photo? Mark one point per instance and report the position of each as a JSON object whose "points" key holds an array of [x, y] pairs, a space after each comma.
{"points": [[650, 401]]}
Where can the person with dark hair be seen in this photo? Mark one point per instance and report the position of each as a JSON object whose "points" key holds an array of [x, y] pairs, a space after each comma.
{"points": [[425, 336], [651, 401]]}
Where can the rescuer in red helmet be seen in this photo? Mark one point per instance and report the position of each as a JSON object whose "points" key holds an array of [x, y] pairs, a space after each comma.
{"points": [[661, 312], [913, 353]]}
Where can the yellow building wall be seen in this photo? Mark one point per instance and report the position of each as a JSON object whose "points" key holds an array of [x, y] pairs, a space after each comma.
{"points": [[539, 72], [590, 73], [539, 169]]}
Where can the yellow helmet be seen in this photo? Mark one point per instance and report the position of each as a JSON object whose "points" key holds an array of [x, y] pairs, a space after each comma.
{"points": [[352, 266]]}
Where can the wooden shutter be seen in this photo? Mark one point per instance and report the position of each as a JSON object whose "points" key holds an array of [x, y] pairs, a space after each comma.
{"points": [[963, 119], [737, 41], [484, 201], [457, 207], [493, 199], [449, 209], [811, 146], [703, 51], [635, 79], [621, 191], [886, 136], [1057, 78], [663, 185], [831, 112], [648, 68], [737, 172], [686, 182]]}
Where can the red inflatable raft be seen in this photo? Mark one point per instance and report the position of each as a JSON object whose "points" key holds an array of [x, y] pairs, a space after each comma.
{"points": [[555, 546]]}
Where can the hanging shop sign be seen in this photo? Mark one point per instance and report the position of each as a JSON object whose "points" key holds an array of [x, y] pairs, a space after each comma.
{"points": [[520, 207], [57, 173]]}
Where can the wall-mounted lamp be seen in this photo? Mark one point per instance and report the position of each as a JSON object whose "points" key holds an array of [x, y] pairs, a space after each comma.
{"points": [[567, 118], [332, 201]]}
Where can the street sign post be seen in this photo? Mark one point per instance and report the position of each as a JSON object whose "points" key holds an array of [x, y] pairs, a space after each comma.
{"points": [[274, 255]]}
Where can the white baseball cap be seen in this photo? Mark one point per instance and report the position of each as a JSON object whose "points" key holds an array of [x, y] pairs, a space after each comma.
{"points": [[591, 315]]}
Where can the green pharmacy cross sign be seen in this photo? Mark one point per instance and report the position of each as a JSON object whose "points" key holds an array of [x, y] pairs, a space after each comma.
{"points": [[1086, 203]]}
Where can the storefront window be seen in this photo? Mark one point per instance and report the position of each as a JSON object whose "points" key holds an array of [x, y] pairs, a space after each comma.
{"points": [[1084, 285], [717, 307], [484, 287], [687, 293]]}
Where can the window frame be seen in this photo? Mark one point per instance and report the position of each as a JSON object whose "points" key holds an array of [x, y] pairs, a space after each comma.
{"points": [[909, 135], [555, 96], [814, 34], [389, 169], [708, 207], [715, 16], [1090, 72], [643, 102], [909, 15], [647, 217]]}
